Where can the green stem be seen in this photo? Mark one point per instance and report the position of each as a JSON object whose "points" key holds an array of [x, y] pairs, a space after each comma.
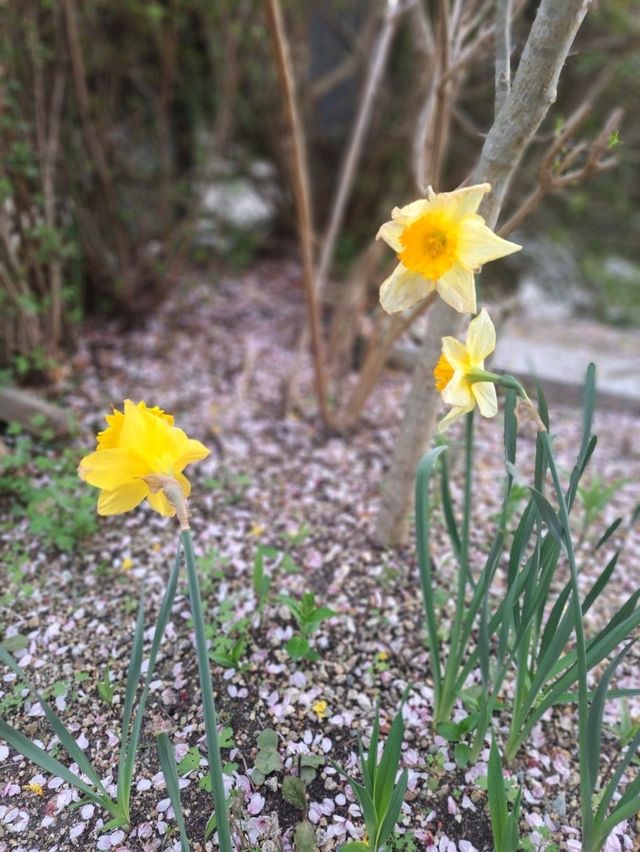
{"points": [[586, 783], [206, 685], [455, 652]]}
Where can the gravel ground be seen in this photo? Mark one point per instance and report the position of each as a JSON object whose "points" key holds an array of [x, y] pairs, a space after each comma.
{"points": [[215, 356]]}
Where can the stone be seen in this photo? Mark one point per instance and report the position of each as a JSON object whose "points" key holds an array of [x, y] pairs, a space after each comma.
{"points": [[32, 412]]}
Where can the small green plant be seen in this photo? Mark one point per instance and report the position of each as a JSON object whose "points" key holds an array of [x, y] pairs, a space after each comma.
{"points": [[229, 636], [380, 796], [594, 496], [308, 617], [45, 490], [268, 758], [261, 580], [504, 822], [105, 689]]}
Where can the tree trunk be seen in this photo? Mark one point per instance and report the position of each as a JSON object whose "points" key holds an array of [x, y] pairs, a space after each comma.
{"points": [[524, 107]]}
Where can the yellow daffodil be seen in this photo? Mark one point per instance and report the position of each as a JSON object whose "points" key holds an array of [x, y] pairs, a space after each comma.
{"points": [[440, 240], [460, 367], [320, 709], [141, 454]]}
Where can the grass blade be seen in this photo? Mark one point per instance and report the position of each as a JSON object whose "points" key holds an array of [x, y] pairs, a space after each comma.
{"points": [[393, 811], [45, 761], [386, 773], [158, 634], [596, 711], [497, 797], [66, 739], [168, 766], [208, 704], [608, 533], [133, 679], [423, 480]]}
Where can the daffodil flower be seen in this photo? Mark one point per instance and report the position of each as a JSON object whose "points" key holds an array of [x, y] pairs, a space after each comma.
{"points": [[460, 372], [141, 454], [439, 240]]}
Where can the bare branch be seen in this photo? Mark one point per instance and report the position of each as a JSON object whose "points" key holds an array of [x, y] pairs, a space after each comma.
{"points": [[300, 180], [503, 52], [354, 151]]}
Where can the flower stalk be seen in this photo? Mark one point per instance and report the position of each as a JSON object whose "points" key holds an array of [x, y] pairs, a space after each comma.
{"points": [[208, 703]]}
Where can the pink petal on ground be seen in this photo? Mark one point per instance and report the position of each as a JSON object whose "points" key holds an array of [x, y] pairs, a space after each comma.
{"points": [[256, 804]]}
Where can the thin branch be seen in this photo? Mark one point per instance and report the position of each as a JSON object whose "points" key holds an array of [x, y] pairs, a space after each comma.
{"points": [[554, 171], [300, 179], [354, 150], [503, 53]]}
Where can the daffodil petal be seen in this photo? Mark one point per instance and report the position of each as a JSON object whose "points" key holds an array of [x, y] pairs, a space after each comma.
{"points": [[462, 202], [390, 232], [477, 244], [402, 289], [192, 451], [159, 503], [481, 338], [112, 468], [485, 394], [455, 353], [457, 288], [451, 417], [410, 212], [122, 499], [458, 392]]}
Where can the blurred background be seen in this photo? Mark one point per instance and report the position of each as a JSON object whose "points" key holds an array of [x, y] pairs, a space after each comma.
{"points": [[141, 140]]}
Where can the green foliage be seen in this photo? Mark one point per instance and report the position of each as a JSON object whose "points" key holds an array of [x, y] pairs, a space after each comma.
{"points": [[229, 636], [595, 496], [308, 617], [45, 489], [304, 837], [268, 759], [380, 796], [104, 687], [293, 791], [504, 822]]}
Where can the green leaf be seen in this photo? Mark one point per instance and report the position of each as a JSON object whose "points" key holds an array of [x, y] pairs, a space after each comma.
{"points": [[608, 533], [304, 837], [298, 648], [15, 643], [423, 520], [497, 798], [267, 739], [393, 810], [355, 846], [447, 505], [190, 762], [293, 791], [386, 772], [66, 738], [45, 761], [133, 678], [268, 760], [549, 516], [596, 711], [366, 806], [125, 779], [168, 766], [461, 754]]}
